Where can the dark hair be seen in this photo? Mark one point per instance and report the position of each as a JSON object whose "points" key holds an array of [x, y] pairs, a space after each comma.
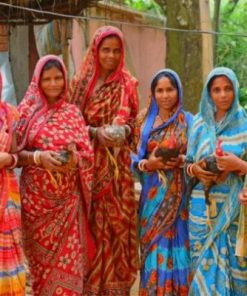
{"points": [[163, 75], [212, 80], [50, 64]]}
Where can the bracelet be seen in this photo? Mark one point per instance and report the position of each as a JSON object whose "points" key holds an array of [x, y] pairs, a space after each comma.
{"points": [[36, 157], [14, 161], [142, 165], [189, 169]]}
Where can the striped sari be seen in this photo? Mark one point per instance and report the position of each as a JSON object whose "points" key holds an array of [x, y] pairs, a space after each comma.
{"points": [[216, 268], [12, 272]]}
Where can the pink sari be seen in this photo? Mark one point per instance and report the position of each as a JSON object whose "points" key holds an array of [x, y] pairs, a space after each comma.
{"points": [[12, 273], [57, 240]]}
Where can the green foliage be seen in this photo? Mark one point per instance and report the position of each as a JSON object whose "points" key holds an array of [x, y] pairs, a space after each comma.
{"points": [[232, 50], [148, 6]]}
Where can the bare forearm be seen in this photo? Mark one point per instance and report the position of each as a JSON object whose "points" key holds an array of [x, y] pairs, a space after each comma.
{"points": [[243, 167]]}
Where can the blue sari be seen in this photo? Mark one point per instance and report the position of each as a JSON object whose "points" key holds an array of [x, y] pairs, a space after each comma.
{"points": [[163, 217], [216, 269]]}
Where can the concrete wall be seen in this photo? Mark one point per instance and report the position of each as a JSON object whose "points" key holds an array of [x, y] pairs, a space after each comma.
{"points": [[145, 47], [19, 59]]}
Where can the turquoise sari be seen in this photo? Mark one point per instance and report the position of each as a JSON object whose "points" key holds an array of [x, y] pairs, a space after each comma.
{"points": [[163, 217], [216, 269]]}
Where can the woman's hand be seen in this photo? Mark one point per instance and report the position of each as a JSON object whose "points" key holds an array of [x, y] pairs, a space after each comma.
{"points": [[5, 159], [230, 162], [155, 163], [73, 159], [49, 161], [202, 175], [175, 162], [243, 196], [104, 139]]}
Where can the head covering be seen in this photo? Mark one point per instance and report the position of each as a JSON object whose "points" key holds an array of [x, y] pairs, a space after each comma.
{"points": [[207, 106], [153, 111], [84, 81], [34, 92], [34, 103]]}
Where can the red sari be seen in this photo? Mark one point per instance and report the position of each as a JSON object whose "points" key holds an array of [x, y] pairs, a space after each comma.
{"points": [[113, 215], [55, 206], [12, 271]]}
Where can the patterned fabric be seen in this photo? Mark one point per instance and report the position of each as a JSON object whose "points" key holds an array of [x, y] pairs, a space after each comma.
{"points": [[55, 206], [12, 273], [216, 268], [162, 214], [113, 216]]}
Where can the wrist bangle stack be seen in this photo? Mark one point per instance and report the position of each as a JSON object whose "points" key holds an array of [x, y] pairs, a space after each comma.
{"points": [[142, 165], [189, 169], [14, 157], [36, 157]]}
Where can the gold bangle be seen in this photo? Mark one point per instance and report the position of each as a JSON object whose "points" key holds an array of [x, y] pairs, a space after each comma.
{"points": [[36, 157], [141, 165]]}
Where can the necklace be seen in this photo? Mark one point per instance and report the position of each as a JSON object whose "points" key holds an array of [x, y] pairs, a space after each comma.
{"points": [[161, 118]]}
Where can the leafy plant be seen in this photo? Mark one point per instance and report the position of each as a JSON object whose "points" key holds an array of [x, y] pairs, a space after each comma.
{"points": [[149, 6], [232, 50]]}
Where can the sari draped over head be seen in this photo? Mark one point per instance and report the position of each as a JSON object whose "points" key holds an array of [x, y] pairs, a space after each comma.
{"points": [[56, 207], [216, 268], [162, 214], [113, 216], [12, 273]]}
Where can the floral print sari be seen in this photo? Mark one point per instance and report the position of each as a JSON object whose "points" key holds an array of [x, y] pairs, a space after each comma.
{"points": [[56, 207]]}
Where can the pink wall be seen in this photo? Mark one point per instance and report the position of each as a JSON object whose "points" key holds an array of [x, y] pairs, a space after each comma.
{"points": [[146, 48]]}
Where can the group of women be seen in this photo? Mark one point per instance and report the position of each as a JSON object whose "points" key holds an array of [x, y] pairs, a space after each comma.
{"points": [[79, 217]]}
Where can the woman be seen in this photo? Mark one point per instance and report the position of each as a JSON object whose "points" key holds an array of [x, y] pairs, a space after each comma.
{"points": [[12, 273], [216, 268], [57, 158], [162, 213], [106, 95]]}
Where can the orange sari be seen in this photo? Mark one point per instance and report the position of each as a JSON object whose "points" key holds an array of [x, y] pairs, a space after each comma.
{"points": [[113, 215], [12, 271]]}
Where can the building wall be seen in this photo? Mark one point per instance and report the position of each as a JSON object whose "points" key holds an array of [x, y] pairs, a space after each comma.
{"points": [[145, 47], [4, 38], [19, 58]]}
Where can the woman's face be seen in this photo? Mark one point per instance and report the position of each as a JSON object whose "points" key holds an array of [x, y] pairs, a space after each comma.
{"points": [[52, 84], [166, 94], [109, 54], [222, 93]]}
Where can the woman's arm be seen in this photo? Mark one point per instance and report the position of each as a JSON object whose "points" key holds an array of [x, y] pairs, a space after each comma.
{"points": [[8, 159], [5, 159], [243, 196], [231, 163], [197, 170], [46, 159]]}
